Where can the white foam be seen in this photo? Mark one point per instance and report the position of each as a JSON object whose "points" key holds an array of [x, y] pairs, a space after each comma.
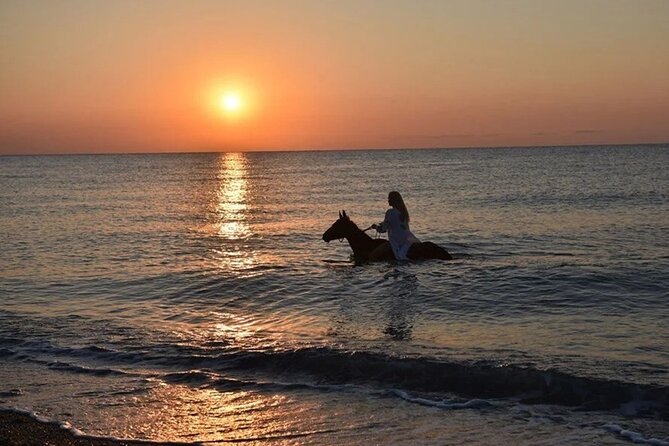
{"points": [[634, 436], [444, 404]]}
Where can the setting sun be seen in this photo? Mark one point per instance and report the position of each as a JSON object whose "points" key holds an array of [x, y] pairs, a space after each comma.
{"points": [[230, 102], [233, 101]]}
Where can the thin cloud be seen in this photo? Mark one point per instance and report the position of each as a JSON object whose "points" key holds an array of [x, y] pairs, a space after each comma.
{"points": [[454, 135], [588, 131]]}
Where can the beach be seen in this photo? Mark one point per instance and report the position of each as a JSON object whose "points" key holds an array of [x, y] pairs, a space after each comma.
{"points": [[22, 430]]}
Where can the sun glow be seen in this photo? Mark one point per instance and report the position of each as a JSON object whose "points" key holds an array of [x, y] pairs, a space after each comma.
{"points": [[234, 101], [230, 102]]}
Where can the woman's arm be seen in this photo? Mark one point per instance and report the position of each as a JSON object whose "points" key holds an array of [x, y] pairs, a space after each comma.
{"points": [[383, 226]]}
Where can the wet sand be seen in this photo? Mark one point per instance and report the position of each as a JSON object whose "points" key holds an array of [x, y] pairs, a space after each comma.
{"points": [[22, 430]]}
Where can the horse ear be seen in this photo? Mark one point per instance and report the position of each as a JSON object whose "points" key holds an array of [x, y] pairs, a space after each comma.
{"points": [[344, 214], [340, 216]]}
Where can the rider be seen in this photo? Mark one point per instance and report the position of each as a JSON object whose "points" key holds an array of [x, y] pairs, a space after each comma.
{"points": [[396, 223]]}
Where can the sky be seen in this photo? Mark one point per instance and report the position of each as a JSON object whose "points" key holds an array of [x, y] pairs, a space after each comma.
{"points": [[88, 76]]}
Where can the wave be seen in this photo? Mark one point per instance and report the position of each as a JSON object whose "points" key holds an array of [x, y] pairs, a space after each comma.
{"points": [[74, 368], [325, 366], [11, 393], [473, 380], [634, 437], [443, 404], [201, 378], [5, 352]]}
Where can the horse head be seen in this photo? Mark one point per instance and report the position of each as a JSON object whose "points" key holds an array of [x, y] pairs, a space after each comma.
{"points": [[340, 229]]}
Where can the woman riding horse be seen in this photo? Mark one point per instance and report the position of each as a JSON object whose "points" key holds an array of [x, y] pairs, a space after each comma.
{"points": [[396, 223], [366, 248]]}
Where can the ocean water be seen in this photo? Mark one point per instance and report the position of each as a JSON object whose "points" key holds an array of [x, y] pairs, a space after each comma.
{"points": [[190, 297]]}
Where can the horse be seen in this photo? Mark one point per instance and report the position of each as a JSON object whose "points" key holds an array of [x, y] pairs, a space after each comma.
{"points": [[363, 245]]}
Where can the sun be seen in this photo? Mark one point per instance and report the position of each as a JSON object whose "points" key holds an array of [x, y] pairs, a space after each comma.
{"points": [[230, 102]]}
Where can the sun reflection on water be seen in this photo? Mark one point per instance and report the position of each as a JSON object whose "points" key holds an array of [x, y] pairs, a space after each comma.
{"points": [[232, 214], [219, 412], [231, 196]]}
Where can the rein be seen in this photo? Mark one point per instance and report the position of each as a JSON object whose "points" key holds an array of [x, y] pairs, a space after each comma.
{"points": [[363, 230], [371, 227]]}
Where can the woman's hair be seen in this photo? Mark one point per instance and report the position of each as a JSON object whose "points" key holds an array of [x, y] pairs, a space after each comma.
{"points": [[395, 200]]}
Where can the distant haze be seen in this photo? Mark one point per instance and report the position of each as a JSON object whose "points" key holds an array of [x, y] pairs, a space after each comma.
{"points": [[142, 76]]}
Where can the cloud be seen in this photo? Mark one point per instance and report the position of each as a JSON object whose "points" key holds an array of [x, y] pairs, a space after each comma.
{"points": [[453, 135], [588, 131], [463, 135]]}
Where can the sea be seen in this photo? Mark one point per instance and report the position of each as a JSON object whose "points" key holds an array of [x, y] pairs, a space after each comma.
{"points": [[191, 297]]}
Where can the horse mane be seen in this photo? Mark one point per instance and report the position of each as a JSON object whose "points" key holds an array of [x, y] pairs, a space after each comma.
{"points": [[358, 228], [355, 225]]}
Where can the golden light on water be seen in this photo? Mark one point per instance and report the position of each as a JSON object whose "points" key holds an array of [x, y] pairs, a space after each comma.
{"points": [[211, 415], [231, 196], [232, 214], [236, 249]]}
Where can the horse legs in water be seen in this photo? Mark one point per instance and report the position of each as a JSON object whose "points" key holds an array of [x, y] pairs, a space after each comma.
{"points": [[428, 250]]}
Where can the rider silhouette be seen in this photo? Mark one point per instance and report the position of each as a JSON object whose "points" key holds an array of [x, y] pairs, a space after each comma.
{"points": [[396, 224]]}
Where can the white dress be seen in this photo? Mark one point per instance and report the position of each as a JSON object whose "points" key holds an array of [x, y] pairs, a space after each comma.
{"points": [[399, 235]]}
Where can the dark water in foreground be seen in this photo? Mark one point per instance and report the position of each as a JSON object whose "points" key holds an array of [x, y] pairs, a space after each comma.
{"points": [[191, 298]]}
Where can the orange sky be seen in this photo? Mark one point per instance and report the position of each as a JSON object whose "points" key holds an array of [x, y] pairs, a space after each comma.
{"points": [[141, 76]]}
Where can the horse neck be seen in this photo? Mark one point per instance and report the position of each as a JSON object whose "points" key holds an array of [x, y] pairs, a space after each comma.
{"points": [[360, 243]]}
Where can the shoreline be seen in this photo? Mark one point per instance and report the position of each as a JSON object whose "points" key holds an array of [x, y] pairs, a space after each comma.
{"points": [[19, 428]]}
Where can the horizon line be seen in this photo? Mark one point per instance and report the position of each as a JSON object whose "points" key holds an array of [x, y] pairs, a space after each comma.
{"points": [[342, 149]]}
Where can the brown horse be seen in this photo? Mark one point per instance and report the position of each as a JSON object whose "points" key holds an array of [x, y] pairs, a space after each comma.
{"points": [[363, 245]]}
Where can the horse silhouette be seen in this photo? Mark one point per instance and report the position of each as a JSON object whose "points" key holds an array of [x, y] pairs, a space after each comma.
{"points": [[363, 245]]}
